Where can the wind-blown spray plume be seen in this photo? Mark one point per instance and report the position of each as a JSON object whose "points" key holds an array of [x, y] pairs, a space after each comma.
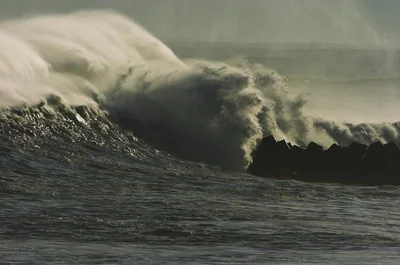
{"points": [[73, 53]]}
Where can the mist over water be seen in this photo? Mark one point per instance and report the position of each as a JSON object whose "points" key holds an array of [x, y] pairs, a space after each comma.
{"points": [[213, 112]]}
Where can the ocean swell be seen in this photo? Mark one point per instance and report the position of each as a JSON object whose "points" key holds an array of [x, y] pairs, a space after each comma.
{"points": [[212, 112]]}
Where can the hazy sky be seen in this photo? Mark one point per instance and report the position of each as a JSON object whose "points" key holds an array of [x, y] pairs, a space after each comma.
{"points": [[257, 21]]}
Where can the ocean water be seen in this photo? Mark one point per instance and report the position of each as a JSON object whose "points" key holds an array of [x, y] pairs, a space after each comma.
{"points": [[65, 202], [124, 153]]}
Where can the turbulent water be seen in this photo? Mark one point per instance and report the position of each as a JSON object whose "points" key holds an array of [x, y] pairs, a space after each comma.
{"points": [[115, 151]]}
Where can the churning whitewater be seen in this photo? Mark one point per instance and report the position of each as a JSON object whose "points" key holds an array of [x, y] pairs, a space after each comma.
{"points": [[212, 112]]}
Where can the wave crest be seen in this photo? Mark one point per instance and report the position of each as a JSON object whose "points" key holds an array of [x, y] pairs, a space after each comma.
{"points": [[214, 112]]}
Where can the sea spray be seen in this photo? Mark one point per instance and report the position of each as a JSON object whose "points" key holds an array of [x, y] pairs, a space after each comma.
{"points": [[212, 112]]}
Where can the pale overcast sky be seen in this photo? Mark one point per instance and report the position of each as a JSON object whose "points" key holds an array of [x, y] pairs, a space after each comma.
{"points": [[255, 21]]}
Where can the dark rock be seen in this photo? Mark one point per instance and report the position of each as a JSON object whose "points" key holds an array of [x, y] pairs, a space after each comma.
{"points": [[392, 150], [349, 163], [283, 147], [333, 148], [313, 147], [356, 164], [374, 148], [380, 165], [298, 162], [272, 159], [333, 164], [266, 143], [357, 148], [308, 163]]}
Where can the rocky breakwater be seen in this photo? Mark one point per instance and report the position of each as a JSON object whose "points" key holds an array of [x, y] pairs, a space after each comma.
{"points": [[359, 164]]}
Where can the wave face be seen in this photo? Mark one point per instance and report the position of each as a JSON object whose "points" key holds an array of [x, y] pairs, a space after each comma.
{"points": [[212, 112]]}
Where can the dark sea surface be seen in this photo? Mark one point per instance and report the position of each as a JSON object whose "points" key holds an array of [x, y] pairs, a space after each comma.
{"points": [[115, 148], [74, 193]]}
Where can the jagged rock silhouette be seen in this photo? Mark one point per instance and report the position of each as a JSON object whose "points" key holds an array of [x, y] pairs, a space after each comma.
{"points": [[359, 164]]}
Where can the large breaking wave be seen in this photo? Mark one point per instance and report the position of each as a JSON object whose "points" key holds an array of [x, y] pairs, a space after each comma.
{"points": [[213, 112]]}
